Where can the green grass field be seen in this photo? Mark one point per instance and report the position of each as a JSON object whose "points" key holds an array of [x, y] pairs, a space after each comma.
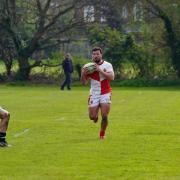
{"points": [[53, 139]]}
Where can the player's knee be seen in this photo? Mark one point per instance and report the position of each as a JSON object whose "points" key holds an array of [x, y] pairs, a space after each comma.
{"points": [[92, 117], [6, 117]]}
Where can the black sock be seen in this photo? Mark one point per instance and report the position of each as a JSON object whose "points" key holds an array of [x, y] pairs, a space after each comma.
{"points": [[2, 136]]}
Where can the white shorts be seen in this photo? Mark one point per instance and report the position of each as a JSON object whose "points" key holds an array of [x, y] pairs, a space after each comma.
{"points": [[3, 111], [95, 100]]}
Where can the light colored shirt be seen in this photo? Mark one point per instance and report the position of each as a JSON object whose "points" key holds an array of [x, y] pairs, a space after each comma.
{"points": [[99, 84]]}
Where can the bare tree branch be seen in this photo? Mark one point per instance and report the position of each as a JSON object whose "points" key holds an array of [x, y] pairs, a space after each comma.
{"points": [[46, 6], [155, 9], [39, 6], [57, 16]]}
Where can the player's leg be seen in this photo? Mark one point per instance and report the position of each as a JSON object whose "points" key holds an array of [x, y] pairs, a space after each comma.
{"points": [[105, 108], [93, 107], [105, 105], [93, 113], [4, 116]]}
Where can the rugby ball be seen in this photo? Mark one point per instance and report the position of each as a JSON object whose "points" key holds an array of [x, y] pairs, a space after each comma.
{"points": [[90, 67]]}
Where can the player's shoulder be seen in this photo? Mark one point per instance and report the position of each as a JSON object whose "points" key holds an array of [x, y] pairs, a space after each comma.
{"points": [[107, 64]]}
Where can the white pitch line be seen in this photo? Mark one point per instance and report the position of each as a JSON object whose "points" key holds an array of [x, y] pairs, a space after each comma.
{"points": [[21, 133], [60, 119]]}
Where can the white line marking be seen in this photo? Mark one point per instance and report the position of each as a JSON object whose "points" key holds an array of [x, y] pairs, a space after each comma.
{"points": [[21, 133], [60, 119]]}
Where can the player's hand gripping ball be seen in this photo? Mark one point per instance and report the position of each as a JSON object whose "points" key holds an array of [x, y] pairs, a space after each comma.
{"points": [[90, 67]]}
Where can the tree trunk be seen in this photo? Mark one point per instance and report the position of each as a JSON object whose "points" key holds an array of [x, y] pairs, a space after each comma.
{"points": [[172, 42], [8, 63], [24, 69], [172, 39], [8, 69]]}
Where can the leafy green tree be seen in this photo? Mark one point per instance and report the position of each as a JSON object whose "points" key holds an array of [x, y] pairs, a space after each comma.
{"points": [[7, 51], [35, 25], [119, 48], [7, 48], [164, 16], [163, 11]]}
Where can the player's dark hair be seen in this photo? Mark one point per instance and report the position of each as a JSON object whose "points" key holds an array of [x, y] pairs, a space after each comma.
{"points": [[97, 49]]}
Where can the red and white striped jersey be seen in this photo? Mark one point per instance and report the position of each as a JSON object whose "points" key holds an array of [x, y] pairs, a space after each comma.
{"points": [[99, 84]]}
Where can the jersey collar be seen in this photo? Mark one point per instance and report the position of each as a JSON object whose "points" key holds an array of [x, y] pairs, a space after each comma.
{"points": [[101, 62]]}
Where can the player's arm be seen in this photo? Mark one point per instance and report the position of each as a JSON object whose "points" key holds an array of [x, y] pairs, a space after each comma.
{"points": [[108, 75], [84, 76]]}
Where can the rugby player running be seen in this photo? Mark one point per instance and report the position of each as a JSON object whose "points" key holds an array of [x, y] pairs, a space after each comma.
{"points": [[100, 91]]}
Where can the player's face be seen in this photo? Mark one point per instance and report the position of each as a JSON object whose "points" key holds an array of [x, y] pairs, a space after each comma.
{"points": [[96, 56]]}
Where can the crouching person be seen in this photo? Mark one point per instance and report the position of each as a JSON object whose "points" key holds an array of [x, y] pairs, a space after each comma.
{"points": [[4, 121]]}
